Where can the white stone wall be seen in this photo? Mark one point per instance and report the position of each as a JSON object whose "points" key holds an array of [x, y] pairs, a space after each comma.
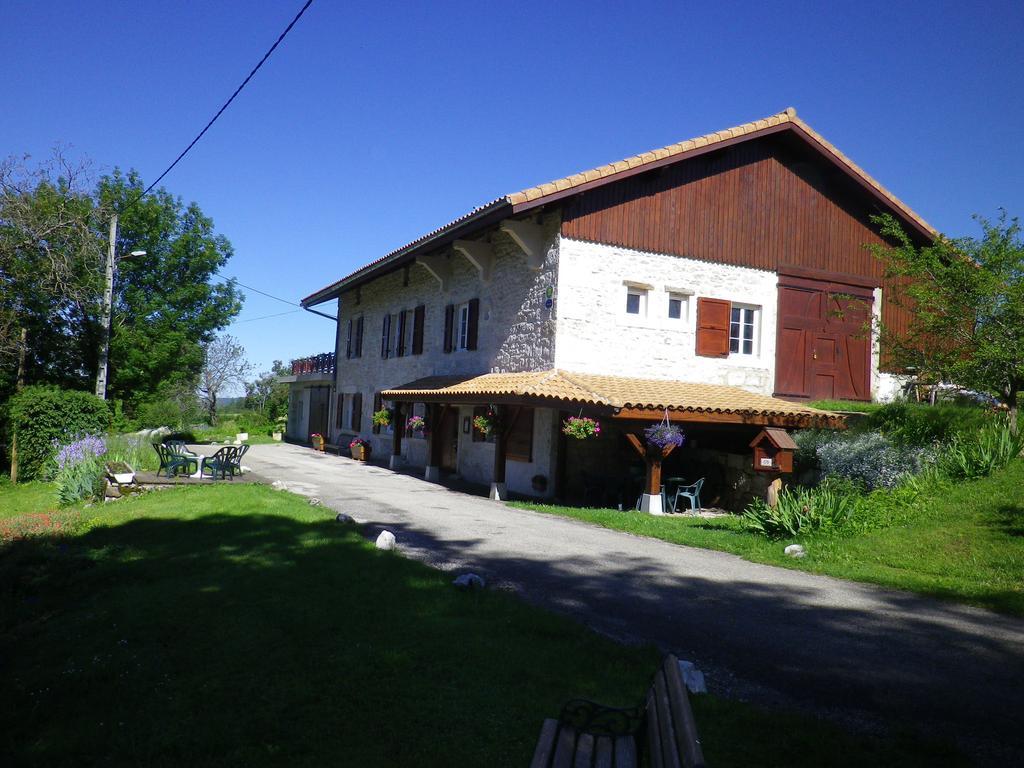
{"points": [[516, 329], [595, 335]]}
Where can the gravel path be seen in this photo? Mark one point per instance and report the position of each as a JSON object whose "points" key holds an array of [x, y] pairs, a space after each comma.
{"points": [[863, 654]]}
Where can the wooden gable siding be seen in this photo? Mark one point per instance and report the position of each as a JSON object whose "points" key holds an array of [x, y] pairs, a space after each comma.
{"points": [[767, 204]]}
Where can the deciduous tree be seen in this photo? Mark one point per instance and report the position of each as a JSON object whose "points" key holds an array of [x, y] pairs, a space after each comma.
{"points": [[224, 366]]}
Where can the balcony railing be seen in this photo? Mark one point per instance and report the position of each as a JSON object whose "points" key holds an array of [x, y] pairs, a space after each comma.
{"points": [[314, 364]]}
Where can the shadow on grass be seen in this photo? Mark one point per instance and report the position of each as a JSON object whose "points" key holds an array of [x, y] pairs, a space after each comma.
{"points": [[258, 639], [1011, 520]]}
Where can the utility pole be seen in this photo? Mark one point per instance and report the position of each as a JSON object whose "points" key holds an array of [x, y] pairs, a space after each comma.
{"points": [[108, 299]]}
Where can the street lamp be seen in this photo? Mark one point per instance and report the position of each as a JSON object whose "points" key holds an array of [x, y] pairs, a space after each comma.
{"points": [[108, 298]]}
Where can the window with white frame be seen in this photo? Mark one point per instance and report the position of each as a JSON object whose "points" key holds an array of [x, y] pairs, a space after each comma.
{"points": [[461, 340], [678, 306], [636, 301], [743, 330]]}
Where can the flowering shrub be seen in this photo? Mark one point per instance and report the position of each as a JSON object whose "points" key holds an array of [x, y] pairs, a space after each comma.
{"points": [[381, 418], [79, 471], [870, 458], [581, 427], [416, 423], [663, 435]]}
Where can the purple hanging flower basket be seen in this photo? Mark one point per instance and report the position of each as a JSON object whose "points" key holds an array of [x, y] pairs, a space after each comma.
{"points": [[663, 435]]}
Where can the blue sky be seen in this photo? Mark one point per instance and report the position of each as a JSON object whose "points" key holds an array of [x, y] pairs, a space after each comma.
{"points": [[374, 123]]}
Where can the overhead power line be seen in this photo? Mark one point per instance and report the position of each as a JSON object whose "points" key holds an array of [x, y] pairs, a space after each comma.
{"points": [[227, 103], [265, 317], [262, 293]]}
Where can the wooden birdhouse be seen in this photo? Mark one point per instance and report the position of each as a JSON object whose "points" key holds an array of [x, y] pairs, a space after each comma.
{"points": [[773, 450]]}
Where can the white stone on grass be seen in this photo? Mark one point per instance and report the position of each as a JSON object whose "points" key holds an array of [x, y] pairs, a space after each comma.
{"points": [[386, 540], [795, 550], [693, 677], [469, 581], [315, 502]]}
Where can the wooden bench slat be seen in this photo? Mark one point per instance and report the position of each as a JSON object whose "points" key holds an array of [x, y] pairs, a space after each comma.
{"points": [[565, 747], [625, 752], [687, 738], [545, 744], [584, 751], [666, 731], [604, 752]]}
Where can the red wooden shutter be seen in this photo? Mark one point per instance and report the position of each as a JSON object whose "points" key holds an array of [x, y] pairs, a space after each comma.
{"points": [[357, 411], [474, 323], [348, 346], [376, 407], [359, 337], [449, 325], [417, 329], [713, 317]]}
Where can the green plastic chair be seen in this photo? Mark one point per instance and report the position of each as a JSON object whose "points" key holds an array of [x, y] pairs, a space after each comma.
{"points": [[171, 462], [224, 463]]}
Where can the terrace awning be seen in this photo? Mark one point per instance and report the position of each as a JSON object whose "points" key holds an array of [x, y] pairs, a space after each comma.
{"points": [[618, 397]]}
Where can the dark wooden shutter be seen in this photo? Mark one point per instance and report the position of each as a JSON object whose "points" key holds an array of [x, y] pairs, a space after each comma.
{"points": [[385, 336], [449, 325], [376, 407], [519, 443], [418, 316], [348, 345], [400, 346], [359, 337], [339, 413], [713, 317], [474, 323], [357, 411]]}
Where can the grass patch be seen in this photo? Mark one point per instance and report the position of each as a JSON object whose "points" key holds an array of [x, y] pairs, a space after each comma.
{"points": [[962, 542], [239, 625], [857, 406], [26, 498]]}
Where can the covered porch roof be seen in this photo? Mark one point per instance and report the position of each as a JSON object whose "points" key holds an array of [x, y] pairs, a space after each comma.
{"points": [[617, 397]]}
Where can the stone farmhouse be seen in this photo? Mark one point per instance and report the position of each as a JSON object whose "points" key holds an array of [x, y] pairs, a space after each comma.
{"points": [[720, 283]]}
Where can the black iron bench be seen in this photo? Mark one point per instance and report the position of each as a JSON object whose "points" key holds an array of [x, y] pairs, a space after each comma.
{"points": [[661, 731]]}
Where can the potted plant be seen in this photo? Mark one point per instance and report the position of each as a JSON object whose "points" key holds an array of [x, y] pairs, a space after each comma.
{"points": [[360, 449], [279, 428], [581, 427], [416, 425], [381, 418], [318, 441]]}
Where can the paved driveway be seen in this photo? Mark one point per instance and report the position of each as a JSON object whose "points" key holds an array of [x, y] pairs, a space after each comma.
{"points": [[767, 634]]}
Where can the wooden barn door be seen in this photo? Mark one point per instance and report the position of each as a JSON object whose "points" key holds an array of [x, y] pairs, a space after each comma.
{"points": [[822, 348], [319, 410]]}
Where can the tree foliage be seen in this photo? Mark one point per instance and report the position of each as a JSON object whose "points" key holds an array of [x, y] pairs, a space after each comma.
{"points": [[54, 224], [224, 366], [966, 306], [267, 393]]}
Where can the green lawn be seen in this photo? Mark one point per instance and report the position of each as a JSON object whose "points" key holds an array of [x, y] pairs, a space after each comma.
{"points": [[962, 543], [239, 625]]}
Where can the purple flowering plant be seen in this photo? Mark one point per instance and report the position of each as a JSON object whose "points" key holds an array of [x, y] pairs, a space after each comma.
{"points": [[663, 435], [81, 448]]}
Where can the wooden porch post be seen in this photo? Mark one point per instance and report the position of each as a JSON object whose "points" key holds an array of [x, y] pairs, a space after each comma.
{"points": [[398, 429], [499, 491], [435, 414], [651, 500]]}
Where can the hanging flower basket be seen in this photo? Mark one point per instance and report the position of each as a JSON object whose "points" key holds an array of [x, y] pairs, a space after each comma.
{"points": [[663, 435], [581, 427], [416, 424], [360, 449], [317, 440], [487, 423], [381, 418]]}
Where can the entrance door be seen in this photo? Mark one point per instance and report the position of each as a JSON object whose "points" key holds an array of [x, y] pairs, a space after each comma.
{"points": [[823, 348], [319, 410]]}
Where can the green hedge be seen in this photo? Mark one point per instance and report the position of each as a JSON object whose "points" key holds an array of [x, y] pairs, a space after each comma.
{"points": [[42, 415]]}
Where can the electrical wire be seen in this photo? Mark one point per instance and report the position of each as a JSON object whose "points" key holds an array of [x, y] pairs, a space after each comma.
{"points": [[227, 103], [265, 317], [262, 293]]}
